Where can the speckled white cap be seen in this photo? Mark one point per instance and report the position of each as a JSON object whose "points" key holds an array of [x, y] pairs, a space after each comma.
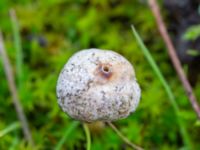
{"points": [[98, 85]]}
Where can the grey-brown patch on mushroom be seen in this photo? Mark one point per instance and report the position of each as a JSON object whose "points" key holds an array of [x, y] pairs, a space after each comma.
{"points": [[89, 83], [62, 100]]}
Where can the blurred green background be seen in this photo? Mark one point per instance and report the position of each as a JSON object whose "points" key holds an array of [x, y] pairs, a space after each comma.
{"points": [[49, 33]]}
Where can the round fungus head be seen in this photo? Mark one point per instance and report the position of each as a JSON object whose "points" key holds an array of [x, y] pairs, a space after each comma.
{"points": [[98, 85]]}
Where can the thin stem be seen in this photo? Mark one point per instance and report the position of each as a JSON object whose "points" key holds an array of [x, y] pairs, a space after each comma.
{"points": [[172, 53], [167, 88], [68, 131], [87, 133], [14, 94], [129, 143]]}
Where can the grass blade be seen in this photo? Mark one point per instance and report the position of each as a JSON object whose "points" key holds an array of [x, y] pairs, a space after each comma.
{"points": [[18, 47], [68, 131], [167, 88], [9, 129], [14, 143]]}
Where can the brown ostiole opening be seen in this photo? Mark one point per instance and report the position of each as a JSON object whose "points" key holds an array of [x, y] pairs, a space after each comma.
{"points": [[105, 70]]}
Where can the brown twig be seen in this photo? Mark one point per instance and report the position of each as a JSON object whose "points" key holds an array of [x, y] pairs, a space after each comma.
{"points": [[13, 90], [123, 137], [172, 53]]}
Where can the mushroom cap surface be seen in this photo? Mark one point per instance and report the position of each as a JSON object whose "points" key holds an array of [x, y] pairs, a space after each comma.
{"points": [[98, 85]]}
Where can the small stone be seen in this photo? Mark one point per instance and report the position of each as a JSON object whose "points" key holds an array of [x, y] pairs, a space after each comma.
{"points": [[98, 85]]}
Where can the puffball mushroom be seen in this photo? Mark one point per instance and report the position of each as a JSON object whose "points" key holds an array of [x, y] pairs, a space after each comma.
{"points": [[98, 85]]}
